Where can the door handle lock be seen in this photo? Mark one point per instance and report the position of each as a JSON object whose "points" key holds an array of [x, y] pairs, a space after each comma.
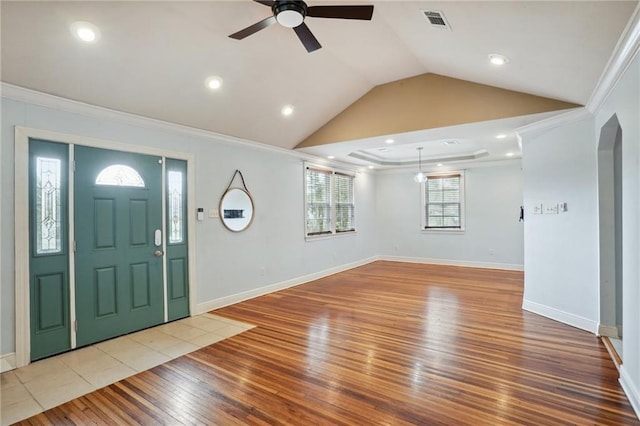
{"points": [[158, 253]]}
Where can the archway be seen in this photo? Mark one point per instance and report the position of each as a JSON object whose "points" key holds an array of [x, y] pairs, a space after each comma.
{"points": [[610, 229]]}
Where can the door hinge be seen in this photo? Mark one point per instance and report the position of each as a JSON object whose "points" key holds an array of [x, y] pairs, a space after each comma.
{"points": [[75, 246], [75, 326], [74, 166]]}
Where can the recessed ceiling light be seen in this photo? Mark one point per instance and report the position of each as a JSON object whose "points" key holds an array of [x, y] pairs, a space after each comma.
{"points": [[287, 110], [214, 82], [85, 31], [389, 141], [331, 157], [371, 167], [501, 136], [510, 154], [440, 164], [451, 142], [497, 59]]}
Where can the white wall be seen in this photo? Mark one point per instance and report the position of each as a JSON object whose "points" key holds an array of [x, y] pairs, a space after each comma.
{"points": [[561, 251], [493, 236], [228, 264], [624, 101]]}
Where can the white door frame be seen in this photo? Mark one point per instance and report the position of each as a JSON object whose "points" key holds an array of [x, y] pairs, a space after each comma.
{"points": [[21, 206]]}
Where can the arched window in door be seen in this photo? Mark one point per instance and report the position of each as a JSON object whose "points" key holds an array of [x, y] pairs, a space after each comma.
{"points": [[120, 175]]}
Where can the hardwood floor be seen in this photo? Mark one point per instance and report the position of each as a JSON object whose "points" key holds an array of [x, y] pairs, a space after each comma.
{"points": [[386, 343]]}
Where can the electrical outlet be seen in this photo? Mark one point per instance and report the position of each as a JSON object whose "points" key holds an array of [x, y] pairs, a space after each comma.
{"points": [[537, 209]]}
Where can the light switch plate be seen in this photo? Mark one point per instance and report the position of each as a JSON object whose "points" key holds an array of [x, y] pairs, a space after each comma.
{"points": [[551, 209]]}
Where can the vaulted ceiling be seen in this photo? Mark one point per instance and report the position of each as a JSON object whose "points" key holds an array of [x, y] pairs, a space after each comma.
{"points": [[152, 59]]}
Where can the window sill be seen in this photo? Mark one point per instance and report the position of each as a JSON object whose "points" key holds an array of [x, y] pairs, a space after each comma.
{"points": [[443, 231], [310, 238]]}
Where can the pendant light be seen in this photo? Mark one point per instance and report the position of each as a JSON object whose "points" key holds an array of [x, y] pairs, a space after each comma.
{"points": [[419, 177]]}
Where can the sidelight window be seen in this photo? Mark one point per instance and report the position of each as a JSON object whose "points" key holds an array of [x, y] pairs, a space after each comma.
{"points": [[176, 211], [48, 205]]}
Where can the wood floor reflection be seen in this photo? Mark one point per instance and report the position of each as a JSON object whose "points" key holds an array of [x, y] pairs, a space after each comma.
{"points": [[386, 343]]}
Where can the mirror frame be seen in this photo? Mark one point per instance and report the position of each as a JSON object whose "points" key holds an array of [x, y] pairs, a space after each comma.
{"points": [[221, 210]]}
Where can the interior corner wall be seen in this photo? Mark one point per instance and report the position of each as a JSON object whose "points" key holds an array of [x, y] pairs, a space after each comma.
{"points": [[561, 250], [624, 101], [493, 237], [271, 252]]}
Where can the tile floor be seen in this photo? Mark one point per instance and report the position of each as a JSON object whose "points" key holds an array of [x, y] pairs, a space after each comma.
{"points": [[53, 381]]}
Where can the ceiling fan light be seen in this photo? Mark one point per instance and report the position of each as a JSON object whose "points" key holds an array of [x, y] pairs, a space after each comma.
{"points": [[290, 18]]}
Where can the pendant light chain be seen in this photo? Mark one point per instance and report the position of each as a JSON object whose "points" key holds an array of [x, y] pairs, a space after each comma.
{"points": [[419, 177]]}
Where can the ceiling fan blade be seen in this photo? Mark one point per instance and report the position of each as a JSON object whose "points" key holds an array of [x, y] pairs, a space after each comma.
{"points": [[254, 28], [266, 2], [307, 38], [341, 12]]}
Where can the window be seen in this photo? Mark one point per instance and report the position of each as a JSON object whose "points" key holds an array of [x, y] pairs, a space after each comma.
{"points": [[329, 202], [120, 175], [345, 209], [48, 205], [443, 202], [174, 205]]}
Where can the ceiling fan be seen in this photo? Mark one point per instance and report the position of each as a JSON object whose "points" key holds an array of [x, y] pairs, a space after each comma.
{"points": [[291, 14]]}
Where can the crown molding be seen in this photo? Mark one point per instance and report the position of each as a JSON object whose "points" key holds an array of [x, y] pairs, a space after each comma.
{"points": [[459, 166], [623, 55], [30, 96], [559, 120]]}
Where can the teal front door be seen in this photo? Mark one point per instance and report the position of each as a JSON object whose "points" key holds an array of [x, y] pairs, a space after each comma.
{"points": [[118, 254]]}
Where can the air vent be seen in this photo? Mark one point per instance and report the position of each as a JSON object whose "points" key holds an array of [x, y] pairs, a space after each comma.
{"points": [[436, 19]]}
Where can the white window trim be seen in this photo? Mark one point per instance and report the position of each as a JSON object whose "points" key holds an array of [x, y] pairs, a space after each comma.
{"points": [[463, 205], [333, 233]]}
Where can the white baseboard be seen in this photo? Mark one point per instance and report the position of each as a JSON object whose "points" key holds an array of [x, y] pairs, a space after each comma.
{"points": [[630, 389], [246, 295], [465, 263], [562, 316], [608, 331], [7, 362]]}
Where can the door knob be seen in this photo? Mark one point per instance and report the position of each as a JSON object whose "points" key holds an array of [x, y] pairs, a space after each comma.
{"points": [[158, 253]]}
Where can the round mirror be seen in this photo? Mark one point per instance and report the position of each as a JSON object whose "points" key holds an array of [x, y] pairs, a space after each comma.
{"points": [[236, 209]]}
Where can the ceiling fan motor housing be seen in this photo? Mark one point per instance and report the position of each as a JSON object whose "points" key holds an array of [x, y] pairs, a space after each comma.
{"points": [[289, 13]]}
